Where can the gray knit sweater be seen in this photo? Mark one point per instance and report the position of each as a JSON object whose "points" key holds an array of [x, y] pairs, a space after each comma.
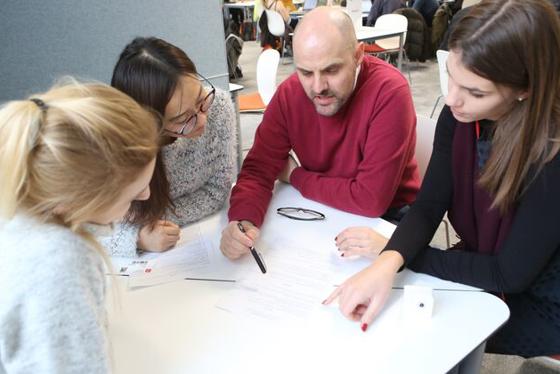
{"points": [[52, 294], [200, 173]]}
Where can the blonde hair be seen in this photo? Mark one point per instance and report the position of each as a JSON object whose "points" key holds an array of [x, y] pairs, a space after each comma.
{"points": [[69, 159]]}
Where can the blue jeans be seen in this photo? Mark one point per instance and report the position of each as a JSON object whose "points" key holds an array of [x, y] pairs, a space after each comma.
{"points": [[427, 8]]}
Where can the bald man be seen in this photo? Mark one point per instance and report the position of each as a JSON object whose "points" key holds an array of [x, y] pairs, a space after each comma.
{"points": [[350, 120]]}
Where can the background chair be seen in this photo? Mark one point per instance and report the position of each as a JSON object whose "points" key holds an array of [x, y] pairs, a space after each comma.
{"points": [[425, 131], [275, 22], [389, 46], [441, 56], [255, 103], [277, 26], [267, 67]]}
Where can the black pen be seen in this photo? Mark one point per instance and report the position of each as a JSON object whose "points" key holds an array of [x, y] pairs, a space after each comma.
{"points": [[256, 255]]}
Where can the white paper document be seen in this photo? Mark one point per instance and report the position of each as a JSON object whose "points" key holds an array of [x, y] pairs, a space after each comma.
{"points": [[296, 283], [190, 254], [325, 255]]}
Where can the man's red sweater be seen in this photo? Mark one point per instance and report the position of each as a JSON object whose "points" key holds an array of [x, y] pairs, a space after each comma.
{"points": [[360, 160]]}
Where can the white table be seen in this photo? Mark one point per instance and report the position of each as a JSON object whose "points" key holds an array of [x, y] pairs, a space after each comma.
{"points": [[176, 328]]}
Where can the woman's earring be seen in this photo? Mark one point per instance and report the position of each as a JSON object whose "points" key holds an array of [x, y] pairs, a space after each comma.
{"points": [[520, 99]]}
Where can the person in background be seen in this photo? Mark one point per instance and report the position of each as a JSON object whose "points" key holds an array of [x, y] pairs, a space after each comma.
{"points": [[351, 122], [380, 7], [454, 21], [71, 161], [495, 169], [283, 7], [234, 48], [197, 162], [427, 8], [454, 6]]}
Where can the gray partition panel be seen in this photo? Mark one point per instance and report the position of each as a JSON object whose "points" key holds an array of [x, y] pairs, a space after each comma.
{"points": [[43, 40]]}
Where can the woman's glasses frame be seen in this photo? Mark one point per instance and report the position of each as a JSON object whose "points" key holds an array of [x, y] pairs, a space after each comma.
{"points": [[189, 124], [289, 212]]}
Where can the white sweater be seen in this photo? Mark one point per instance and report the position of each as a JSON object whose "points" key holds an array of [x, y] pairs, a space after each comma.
{"points": [[52, 292], [200, 173]]}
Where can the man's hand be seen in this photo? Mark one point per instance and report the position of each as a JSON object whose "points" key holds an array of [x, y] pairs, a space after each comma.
{"points": [[235, 243]]}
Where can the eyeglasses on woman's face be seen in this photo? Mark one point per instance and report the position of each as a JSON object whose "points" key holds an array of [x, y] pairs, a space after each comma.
{"points": [[186, 123]]}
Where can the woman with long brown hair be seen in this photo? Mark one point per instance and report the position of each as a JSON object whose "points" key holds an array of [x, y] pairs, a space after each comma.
{"points": [[495, 169]]}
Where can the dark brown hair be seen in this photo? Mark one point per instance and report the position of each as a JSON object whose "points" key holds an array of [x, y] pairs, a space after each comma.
{"points": [[148, 70], [516, 44]]}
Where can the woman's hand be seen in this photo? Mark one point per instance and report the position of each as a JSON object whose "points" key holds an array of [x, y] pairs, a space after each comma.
{"points": [[163, 236], [360, 241], [362, 296]]}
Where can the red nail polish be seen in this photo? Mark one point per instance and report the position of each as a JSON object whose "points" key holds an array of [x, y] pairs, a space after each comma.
{"points": [[342, 255], [335, 238], [364, 327]]}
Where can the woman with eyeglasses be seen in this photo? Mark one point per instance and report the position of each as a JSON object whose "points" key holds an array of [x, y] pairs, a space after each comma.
{"points": [[196, 165]]}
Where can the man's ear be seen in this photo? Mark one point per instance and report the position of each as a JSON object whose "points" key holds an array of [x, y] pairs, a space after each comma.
{"points": [[359, 53]]}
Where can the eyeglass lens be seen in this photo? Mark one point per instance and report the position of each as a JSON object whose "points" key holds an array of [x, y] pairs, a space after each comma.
{"points": [[190, 123], [208, 100]]}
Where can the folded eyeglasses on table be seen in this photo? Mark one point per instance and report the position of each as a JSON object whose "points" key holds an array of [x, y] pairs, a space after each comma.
{"points": [[300, 214]]}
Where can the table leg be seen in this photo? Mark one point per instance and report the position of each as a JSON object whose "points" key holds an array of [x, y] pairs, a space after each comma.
{"points": [[471, 363], [401, 47]]}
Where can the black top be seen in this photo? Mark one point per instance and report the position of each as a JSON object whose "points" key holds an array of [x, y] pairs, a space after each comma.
{"points": [[526, 268]]}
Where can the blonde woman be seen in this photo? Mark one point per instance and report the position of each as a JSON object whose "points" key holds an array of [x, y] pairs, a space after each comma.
{"points": [[71, 161]]}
